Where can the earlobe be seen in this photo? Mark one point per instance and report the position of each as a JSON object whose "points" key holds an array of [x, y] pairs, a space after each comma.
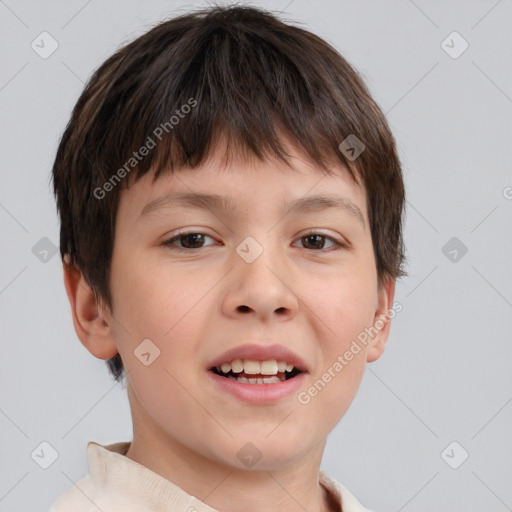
{"points": [[382, 321], [91, 324]]}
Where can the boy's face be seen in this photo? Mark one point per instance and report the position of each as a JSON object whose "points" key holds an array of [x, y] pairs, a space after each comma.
{"points": [[203, 295]]}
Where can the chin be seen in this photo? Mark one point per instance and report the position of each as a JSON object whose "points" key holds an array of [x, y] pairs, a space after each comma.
{"points": [[265, 454]]}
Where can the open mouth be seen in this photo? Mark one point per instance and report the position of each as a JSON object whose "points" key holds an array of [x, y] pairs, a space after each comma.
{"points": [[256, 372]]}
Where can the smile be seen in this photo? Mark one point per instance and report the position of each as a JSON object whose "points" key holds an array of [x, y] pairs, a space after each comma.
{"points": [[258, 372], [250, 371]]}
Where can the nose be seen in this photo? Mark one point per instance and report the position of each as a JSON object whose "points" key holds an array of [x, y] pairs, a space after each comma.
{"points": [[262, 289]]}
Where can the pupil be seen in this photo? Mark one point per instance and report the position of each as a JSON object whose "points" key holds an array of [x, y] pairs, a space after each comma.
{"points": [[311, 237], [195, 237]]}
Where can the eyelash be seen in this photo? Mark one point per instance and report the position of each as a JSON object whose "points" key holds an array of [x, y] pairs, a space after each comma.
{"points": [[168, 243]]}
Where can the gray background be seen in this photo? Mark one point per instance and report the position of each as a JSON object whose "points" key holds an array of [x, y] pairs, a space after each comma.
{"points": [[445, 375]]}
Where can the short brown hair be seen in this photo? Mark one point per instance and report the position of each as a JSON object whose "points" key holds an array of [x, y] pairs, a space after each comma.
{"points": [[242, 73]]}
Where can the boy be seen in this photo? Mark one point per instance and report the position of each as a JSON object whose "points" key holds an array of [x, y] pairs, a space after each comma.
{"points": [[231, 204]]}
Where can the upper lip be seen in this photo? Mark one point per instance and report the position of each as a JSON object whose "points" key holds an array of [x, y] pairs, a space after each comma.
{"points": [[260, 352]]}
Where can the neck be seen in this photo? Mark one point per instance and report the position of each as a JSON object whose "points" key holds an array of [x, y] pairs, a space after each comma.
{"points": [[294, 488]]}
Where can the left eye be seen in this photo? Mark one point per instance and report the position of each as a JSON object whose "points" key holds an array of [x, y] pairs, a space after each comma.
{"points": [[191, 240], [317, 240]]}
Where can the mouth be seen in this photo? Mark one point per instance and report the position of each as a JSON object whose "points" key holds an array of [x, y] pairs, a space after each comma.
{"points": [[251, 371], [258, 373]]}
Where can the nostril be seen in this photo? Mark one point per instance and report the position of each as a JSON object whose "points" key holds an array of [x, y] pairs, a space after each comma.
{"points": [[243, 309]]}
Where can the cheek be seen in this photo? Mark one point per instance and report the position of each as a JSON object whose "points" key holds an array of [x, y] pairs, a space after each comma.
{"points": [[165, 306], [343, 313], [344, 307], [156, 300]]}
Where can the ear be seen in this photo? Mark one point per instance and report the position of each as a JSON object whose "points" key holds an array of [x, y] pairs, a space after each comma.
{"points": [[381, 321], [91, 320]]}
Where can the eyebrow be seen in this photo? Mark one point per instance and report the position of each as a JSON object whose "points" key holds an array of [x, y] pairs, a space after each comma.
{"points": [[214, 202], [319, 203]]}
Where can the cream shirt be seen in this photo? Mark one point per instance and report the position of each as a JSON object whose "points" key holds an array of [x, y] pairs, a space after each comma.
{"points": [[116, 483]]}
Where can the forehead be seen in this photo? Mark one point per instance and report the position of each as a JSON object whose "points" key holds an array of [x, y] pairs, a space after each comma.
{"points": [[230, 180]]}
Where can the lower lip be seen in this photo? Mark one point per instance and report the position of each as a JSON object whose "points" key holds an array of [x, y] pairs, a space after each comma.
{"points": [[259, 393]]}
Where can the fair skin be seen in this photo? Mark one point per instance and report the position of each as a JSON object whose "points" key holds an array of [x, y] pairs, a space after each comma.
{"points": [[305, 293]]}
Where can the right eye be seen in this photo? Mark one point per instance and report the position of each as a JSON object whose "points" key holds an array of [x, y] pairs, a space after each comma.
{"points": [[189, 241]]}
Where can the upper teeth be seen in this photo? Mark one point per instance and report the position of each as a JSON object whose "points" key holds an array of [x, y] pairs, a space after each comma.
{"points": [[252, 367]]}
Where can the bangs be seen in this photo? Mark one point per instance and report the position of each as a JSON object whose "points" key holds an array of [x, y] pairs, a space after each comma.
{"points": [[165, 109]]}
